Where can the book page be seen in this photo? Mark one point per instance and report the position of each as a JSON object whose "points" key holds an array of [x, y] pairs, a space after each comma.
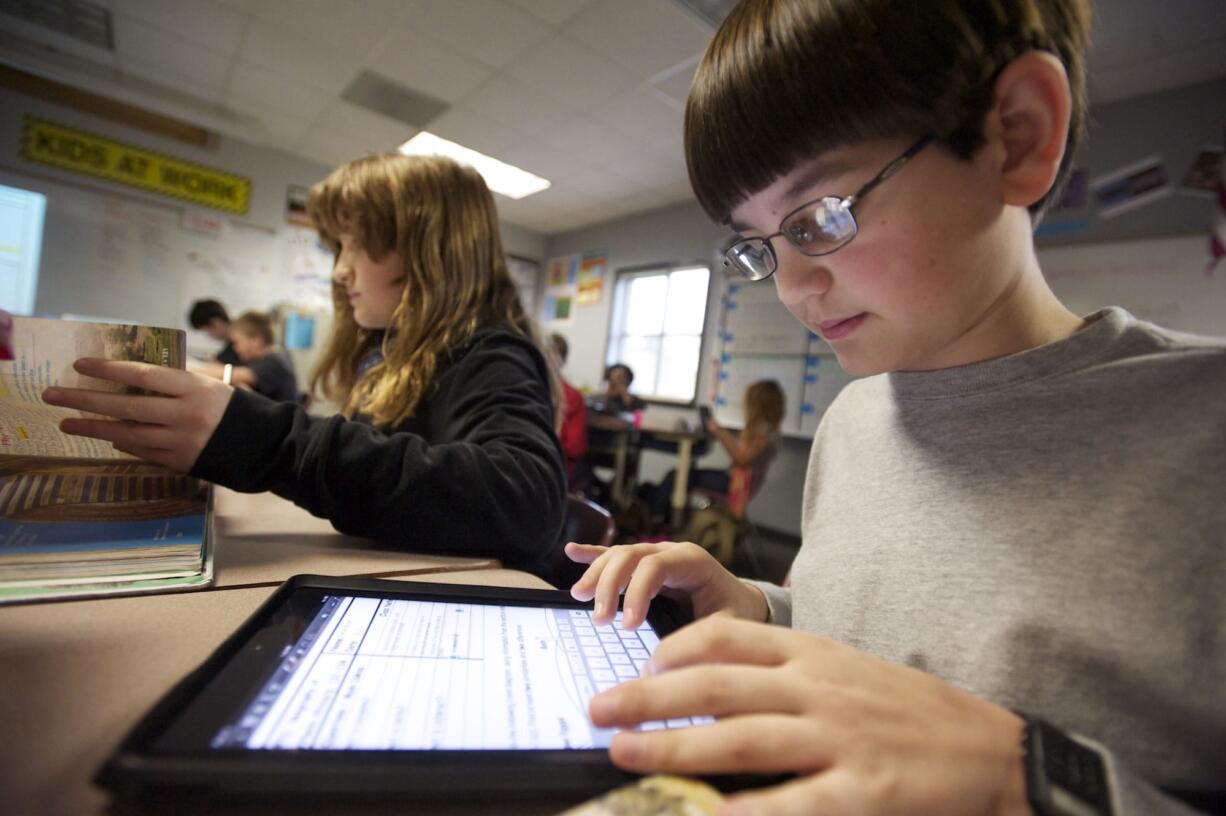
{"points": [[43, 354]]}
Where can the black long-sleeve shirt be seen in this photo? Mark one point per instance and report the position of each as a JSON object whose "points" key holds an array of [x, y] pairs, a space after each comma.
{"points": [[476, 471]]}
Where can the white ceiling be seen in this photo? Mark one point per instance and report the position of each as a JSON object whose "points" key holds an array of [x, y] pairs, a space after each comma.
{"points": [[587, 93]]}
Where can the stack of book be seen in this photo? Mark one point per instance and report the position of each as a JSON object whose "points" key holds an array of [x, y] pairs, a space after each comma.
{"points": [[77, 518]]}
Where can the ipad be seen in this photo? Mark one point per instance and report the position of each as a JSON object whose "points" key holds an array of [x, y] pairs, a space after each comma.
{"points": [[367, 688]]}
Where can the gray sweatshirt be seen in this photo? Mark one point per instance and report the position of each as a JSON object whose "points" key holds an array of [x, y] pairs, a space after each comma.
{"points": [[1045, 530]]}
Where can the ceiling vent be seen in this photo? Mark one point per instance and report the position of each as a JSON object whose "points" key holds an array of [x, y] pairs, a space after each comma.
{"points": [[712, 12], [88, 22], [382, 95]]}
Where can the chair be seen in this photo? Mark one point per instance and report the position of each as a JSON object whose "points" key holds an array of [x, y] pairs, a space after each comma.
{"points": [[586, 523]]}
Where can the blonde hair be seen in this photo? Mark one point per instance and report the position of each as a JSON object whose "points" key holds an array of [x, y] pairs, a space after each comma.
{"points": [[440, 217], [254, 324], [763, 407]]}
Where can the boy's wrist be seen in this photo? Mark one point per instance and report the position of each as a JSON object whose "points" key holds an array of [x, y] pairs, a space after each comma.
{"points": [[754, 606]]}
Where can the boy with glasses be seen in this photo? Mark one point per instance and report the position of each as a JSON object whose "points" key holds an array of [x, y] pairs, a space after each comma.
{"points": [[1009, 597]]}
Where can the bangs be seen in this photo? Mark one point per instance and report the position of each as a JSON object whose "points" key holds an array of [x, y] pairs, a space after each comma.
{"points": [[785, 81], [356, 199]]}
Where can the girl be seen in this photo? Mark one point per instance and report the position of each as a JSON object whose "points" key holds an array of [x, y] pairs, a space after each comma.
{"points": [[751, 453], [445, 440]]}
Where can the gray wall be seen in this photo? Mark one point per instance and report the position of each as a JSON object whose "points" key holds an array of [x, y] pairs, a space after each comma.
{"points": [[1174, 124]]}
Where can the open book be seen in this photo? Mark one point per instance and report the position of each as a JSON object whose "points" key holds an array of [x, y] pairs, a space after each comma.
{"points": [[77, 517]]}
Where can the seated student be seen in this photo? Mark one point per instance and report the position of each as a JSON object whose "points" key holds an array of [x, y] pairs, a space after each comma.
{"points": [[617, 398], [446, 441], [264, 369], [210, 317], [751, 453], [573, 430], [1017, 518]]}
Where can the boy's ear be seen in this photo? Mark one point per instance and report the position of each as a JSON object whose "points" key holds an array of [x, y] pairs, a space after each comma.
{"points": [[1030, 118]]}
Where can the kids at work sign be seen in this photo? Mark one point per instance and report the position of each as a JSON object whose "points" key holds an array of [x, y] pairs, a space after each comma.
{"points": [[81, 152]]}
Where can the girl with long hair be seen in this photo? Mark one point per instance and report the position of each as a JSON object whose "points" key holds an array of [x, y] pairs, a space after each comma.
{"points": [[445, 440]]}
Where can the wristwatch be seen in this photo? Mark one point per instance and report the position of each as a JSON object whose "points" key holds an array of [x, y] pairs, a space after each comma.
{"points": [[1064, 777]]}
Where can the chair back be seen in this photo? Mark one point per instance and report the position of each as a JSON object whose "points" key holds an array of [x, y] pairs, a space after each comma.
{"points": [[588, 523]]}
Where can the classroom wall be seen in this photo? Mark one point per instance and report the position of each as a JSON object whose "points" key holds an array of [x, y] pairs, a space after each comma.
{"points": [[1173, 123]]}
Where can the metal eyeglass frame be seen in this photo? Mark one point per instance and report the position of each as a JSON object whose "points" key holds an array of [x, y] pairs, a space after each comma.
{"points": [[833, 203]]}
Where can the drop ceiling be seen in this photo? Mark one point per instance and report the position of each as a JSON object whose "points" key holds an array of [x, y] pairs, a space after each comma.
{"points": [[587, 93]]}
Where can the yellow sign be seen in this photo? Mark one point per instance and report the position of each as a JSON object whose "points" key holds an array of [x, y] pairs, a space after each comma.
{"points": [[81, 152]]}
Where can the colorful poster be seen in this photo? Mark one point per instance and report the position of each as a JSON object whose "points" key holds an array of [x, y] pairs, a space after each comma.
{"points": [[1202, 177], [591, 280], [563, 271], [558, 309]]}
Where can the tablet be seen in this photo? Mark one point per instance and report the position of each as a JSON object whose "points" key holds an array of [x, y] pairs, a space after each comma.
{"points": [[359, 687]]}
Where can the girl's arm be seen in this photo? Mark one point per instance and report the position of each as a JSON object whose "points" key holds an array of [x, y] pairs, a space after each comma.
{"points": [[490, 482], [741, 450]]}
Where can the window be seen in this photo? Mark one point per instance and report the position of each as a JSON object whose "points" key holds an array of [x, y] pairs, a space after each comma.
{"points": [[658, 318]]}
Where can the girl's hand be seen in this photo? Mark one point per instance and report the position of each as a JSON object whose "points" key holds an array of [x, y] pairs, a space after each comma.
{"points": [[713, 427], [866, 736], [170, 430], [642, 570]]}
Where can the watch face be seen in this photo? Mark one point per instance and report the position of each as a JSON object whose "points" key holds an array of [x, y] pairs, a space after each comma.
{"points": [[1063, 776]]}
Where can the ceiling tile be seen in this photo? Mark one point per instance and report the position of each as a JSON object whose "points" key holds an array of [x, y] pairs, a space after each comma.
{"points": [[603, 183], [282, 132], [474, 131], [554, 12], [571, 75], [329, 147], [426, 65], [254, 89], [157, 75], [140, 48], [675, 82], [641, 113], [296, 57], [592, 142], [348, 26], [642, 36], [372, 131], [490, 31], [518, 106], [1159, 73], [648, 171], [212, 26], [537, 157]]}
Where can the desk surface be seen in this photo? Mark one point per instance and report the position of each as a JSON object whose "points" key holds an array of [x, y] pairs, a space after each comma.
{"points": [[76, 676], [262, 539]]}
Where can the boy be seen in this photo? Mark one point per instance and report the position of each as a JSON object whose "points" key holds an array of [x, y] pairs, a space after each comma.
{"points": [[1019, 516], [210, 317], [264, 370]]}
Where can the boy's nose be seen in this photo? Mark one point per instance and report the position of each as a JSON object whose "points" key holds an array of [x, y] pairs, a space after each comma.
{"points": [[799, 276]]}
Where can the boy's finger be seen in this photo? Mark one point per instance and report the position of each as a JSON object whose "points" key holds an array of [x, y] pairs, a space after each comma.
{"points": [[584, 553], [724, 639], [761, 743], [170, 381], [698, 691]]}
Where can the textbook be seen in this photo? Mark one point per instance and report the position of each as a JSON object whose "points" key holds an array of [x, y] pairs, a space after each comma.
{"points": [[77, 517]]}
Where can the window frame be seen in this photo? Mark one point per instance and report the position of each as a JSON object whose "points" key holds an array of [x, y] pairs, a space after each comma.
{"points": [[647, 270]]}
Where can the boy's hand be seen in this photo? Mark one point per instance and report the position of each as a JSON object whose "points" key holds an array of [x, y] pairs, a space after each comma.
{"points": [[169, 430], [866, 736], [642, 570]]}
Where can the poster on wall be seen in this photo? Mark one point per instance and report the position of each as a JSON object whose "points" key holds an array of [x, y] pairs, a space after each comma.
{"points": [[561, 282], [559, 309], [1135, 185], [1202, 177], [563, 271], [591, 280]]}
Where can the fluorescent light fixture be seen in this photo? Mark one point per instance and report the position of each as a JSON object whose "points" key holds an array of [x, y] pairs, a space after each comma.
{"points": [[501, 177]]}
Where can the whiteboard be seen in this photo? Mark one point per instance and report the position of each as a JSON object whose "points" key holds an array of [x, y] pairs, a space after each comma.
{"points": [[1162, 280]]}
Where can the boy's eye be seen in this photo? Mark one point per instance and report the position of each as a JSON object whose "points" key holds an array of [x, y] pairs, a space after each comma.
{"points": [[800, 233]]}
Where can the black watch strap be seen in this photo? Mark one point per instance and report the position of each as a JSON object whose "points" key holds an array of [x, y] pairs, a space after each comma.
{"points": [[1064, 777]]}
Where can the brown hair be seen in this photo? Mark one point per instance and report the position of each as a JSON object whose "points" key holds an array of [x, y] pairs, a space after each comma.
{"points": [[763, 407], [787, 80], [254, 324], [440, 217]]}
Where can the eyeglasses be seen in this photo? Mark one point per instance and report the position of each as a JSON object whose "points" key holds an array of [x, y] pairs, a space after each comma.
{"points": [[819, 227]]}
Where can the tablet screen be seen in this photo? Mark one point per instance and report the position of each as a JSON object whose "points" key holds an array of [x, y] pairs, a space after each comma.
{"points": [[378, 673]]}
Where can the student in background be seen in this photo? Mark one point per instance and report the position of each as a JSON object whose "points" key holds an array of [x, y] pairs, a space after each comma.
{"points": [[573, 426], [264, 369], [617, 398], [1008, 597], [210, 317], [751, 452], [446, 440]]}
